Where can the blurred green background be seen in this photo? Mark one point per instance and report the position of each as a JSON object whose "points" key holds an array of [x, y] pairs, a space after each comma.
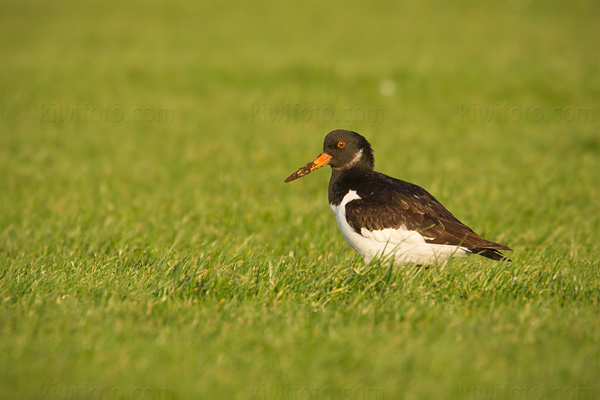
{"points": [[150, 250]]}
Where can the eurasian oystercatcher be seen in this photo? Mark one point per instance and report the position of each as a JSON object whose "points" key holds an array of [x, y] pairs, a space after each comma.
{"points": [[385, 218]]}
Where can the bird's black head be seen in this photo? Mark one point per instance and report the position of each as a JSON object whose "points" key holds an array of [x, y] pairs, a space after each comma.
{"points": [[341, 150], [348, 149]]}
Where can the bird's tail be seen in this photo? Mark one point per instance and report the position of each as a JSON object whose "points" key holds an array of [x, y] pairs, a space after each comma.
{"points": [[492, 254]]}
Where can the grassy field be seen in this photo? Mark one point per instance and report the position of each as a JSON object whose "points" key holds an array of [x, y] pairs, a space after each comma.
{"points": [[150, 250]]}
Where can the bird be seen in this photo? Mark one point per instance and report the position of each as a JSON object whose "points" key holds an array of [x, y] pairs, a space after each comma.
{"points": [[388, 219]]}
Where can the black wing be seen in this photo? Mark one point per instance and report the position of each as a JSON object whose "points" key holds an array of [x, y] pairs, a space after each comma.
{"points": [[391, 203]]}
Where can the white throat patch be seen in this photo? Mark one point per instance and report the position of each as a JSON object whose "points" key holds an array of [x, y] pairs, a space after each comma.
{"points": [[353, 162]]}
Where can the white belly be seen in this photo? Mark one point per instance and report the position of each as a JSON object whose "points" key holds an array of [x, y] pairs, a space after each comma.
{"points": [[401, 245]]}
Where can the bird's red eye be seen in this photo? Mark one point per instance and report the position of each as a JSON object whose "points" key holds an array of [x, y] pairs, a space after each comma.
{"points": [[341, 144]]}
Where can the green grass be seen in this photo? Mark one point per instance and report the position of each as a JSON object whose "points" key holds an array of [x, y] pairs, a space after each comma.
{"points": [[160, 255]]}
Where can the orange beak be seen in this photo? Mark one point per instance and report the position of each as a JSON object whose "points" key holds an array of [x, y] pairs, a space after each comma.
{"points": [[323, 159]]}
